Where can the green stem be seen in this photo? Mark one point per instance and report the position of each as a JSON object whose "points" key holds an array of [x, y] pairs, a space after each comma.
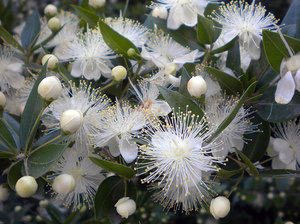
{"points": [[107, 86], [63, 76], [125, 188], [46, 143], [26, 166], [236, 184]]}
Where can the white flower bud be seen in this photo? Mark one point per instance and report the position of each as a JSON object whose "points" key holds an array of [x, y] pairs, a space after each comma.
{"points": [[171, 69], [17, 208], [4, 193], [50, 10], [54, 24], [26, 186], [97, 3], [219, 207], [71, 121], [43, 203], [27, 218], [197, 86], [52, 62], [125, 207], [50, 88], [293, 63], [63, 184], [160, 12], [119, 73], [2, 100]]}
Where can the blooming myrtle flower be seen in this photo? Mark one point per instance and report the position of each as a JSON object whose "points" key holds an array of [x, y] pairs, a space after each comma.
{"points": [[178, 162], [182, 11], [10, 70], [163, 79], [86, 174], [285, 147], [90, 54]]}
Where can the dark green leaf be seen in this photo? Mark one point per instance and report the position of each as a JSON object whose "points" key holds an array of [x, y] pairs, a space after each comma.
{"points": [[228, 82], [292, 19], [31, 30], [210, 8], [47, 138], [66, 75], [275, 48], [8, 38], [207, 31], [179, 101], [4, 154], [279, 173], [87, 15], [226, 47], [185, 77], [233, 58], [225, 174], [7, 138], [14, 174], [121, 170], [56, 215], [247, 161]]}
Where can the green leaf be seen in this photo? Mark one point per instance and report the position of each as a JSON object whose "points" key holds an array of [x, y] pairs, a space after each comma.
{"points": [[292, 20], [258, 142], [233, 60], [228, 82], [42, 160], [225, 174], [8, 38], [185, 36], [117, 42], [247, 161], [109, 192], [185, 77], [87, 15], [207, 31], [7, 138], [31, 112], [31, 30], [225, 47], [279, 173], [4, 154], [66, 75], [271, 111], [14, 174], [275, 48], [179, 101], [232, 115], [56, 215], [120, 169]]}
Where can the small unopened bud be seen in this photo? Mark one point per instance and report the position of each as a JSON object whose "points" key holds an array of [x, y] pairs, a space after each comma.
{"points": [[71, 121], [97, 3], [26, 186], [293, 63], [50, 88], [2, 100], [119, 73], [219, 207], [132, 53], [160, 12], [52, 61], [17, 208], [27, 218], [63, 184], [50, 10], [54, 24], [4, 193], [43, 203], [197, 86], [171, 68], [125, 207]]}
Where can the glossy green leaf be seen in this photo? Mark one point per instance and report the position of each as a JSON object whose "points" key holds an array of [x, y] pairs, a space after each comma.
{"points": [[233, 60], [228, 82], [6, 137], [207, 31], [279, 173], [66, 75], [31, 30], [292, 20], [247, 161], [225, 47], [275, 48], [117, 42], [121, 170], [42, 160], [9, 39], [5, 154], [225, 174], [185, 77], [14, 174], [179, 101], [87, 15]]}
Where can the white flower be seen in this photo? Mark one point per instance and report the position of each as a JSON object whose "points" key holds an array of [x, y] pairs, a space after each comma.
{"points": [[219, 207], [10, 70], [86, 174], [163, 79], [82, 98], [197, 86], [161, 49], [118, 124], [183, 11], [125, 207], [178, 162], [90, 54], [285, 147], [246, 21], [217, 110], [130, 29]]}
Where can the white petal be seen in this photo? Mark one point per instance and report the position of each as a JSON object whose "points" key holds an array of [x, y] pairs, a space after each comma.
{"points": [[15, 67], [76, 69], [283, 67], [128, 150], [15, 79], [280, 145], [113, 145], [187, 15], [277, 164], [91, 71], [174, 81], [270, 150], [253, 47], [188, 58], [173, 22], [161, 108], [238, 143], [285, 89], [297, 80], [286, 154], [245, 59]]}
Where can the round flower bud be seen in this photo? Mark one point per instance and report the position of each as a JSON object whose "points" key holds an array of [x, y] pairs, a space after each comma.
{"points": [[63, 184], [43, 203], [4, 193], [171, 69], [160, 12], [26, 186], [54, 24], [196, 86], [50, 10], [27, 218], [17, 208], [50, 88], [219, 207], [125, 207], [2, 100], [119, 73], [52, 62], [97, 3], [293, 63], [71, 121]]}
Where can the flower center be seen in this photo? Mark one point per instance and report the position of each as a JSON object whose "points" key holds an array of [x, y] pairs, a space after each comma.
{"points": [[178, 149]]}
